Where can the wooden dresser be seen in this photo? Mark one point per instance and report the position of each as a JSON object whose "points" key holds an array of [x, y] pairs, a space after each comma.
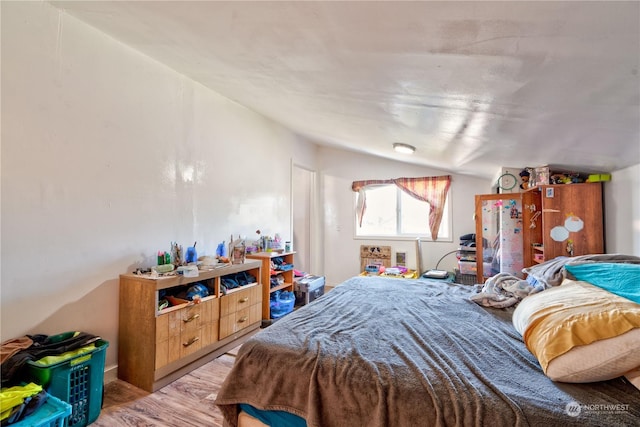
{"points": [[157, 346]]}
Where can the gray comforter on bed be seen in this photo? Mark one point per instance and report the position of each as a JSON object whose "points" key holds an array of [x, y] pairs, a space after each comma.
{"points": [[395, 352]]}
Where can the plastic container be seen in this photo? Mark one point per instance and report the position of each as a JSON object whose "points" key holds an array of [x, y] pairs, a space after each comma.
{"points": [[191, 255], [282, 303], [51, 414], [465, 279], [77, 381], [467, 267]]}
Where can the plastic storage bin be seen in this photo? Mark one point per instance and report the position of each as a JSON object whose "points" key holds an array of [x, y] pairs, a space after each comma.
{"points": [[77, 381], [308, 288], [465, 279], [282, 303], [467, 267], [51, 414]]}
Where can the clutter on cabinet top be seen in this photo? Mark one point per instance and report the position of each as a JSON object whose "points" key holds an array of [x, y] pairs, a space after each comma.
{"points": [[178, 262], [548, 175], [191, 256], [265, 243], [398, 271], [172, 263]]}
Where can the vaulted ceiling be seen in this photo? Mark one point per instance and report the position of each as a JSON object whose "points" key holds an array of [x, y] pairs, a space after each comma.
{"points": [[472, 85]]}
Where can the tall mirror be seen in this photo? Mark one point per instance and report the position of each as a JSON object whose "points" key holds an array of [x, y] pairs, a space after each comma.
{"points": [[499, 235]]}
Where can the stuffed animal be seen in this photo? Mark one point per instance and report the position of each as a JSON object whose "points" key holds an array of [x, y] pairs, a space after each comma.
{"points": [[566, 178], [525, 175], [559, 178]]}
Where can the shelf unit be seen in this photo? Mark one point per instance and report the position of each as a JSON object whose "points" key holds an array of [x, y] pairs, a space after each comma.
{"points": [[267, 290], [155, 347], [538, 254]]}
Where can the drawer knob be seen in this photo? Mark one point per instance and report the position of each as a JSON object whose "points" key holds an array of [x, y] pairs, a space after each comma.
{"points": [[245, 299], [243, 319], [191, 319], [191, 341]]}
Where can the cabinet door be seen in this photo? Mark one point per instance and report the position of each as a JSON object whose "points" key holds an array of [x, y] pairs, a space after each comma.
{"points": [[499, 241], [167, 338], [210, 317], [572, 220]]}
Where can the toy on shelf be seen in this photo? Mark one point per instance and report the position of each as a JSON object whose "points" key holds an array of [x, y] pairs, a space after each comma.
{"points": [[525, 175]]}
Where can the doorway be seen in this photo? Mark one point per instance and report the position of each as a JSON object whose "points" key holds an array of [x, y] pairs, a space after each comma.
{"points": [[302, 199]]}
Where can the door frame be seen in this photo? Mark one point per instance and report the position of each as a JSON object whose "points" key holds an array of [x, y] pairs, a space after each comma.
{"points": [[312, 232]]}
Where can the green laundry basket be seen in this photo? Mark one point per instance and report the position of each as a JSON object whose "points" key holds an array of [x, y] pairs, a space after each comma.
{"points": [[78, 381]]}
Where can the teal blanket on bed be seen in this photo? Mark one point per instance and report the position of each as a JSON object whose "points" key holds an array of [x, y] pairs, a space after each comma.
{"points": [[274, 418], [618, 278]]}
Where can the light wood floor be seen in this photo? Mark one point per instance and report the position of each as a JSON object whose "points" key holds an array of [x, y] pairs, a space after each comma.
{"points": [[188, 401]]}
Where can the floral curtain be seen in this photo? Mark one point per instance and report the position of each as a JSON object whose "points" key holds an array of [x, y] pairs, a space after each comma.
{"points": [[430, 189]]}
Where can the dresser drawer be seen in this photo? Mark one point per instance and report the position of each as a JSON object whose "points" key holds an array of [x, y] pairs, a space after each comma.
{"points": [[178, 332], [240, 309], [240, 299], [240, 319], [190, 341], [190, 318], [234, 322]]}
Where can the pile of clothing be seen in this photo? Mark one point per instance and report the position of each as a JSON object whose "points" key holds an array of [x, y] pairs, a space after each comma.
{"points": [[232, 281], [19, 398]]}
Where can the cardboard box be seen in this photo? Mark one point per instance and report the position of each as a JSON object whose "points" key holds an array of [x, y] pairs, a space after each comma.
{"points": [[374, 255], [599, 177]]}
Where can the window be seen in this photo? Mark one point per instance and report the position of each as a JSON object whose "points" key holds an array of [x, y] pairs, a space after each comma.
{"points": [[392, 212]]}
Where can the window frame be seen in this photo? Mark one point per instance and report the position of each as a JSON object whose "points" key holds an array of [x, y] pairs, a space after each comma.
{"points": [[446, 226]]}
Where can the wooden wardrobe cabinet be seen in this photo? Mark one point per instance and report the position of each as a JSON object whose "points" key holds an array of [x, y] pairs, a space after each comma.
{"points": [[157, 346], [563, 220], [518, 230]]}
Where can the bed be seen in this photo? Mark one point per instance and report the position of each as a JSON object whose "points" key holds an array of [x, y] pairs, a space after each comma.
{"points": [[397, 352]]}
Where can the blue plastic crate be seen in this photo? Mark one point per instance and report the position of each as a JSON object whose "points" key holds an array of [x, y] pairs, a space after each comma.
{"points": [[51, 414]]}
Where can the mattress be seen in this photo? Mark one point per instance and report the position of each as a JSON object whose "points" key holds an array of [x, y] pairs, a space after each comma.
{"points": [[397, 352]]}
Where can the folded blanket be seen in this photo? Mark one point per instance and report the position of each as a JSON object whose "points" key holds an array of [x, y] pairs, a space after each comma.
{"points": [[622, 279], [552, 272]]}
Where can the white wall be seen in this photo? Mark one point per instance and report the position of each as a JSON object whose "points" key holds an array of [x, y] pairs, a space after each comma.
{"points": [[622, 211], [107, 157], [338, 169]]}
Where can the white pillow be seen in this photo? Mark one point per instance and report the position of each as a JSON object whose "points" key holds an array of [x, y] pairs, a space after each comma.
{"points": [[598, 361]]}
